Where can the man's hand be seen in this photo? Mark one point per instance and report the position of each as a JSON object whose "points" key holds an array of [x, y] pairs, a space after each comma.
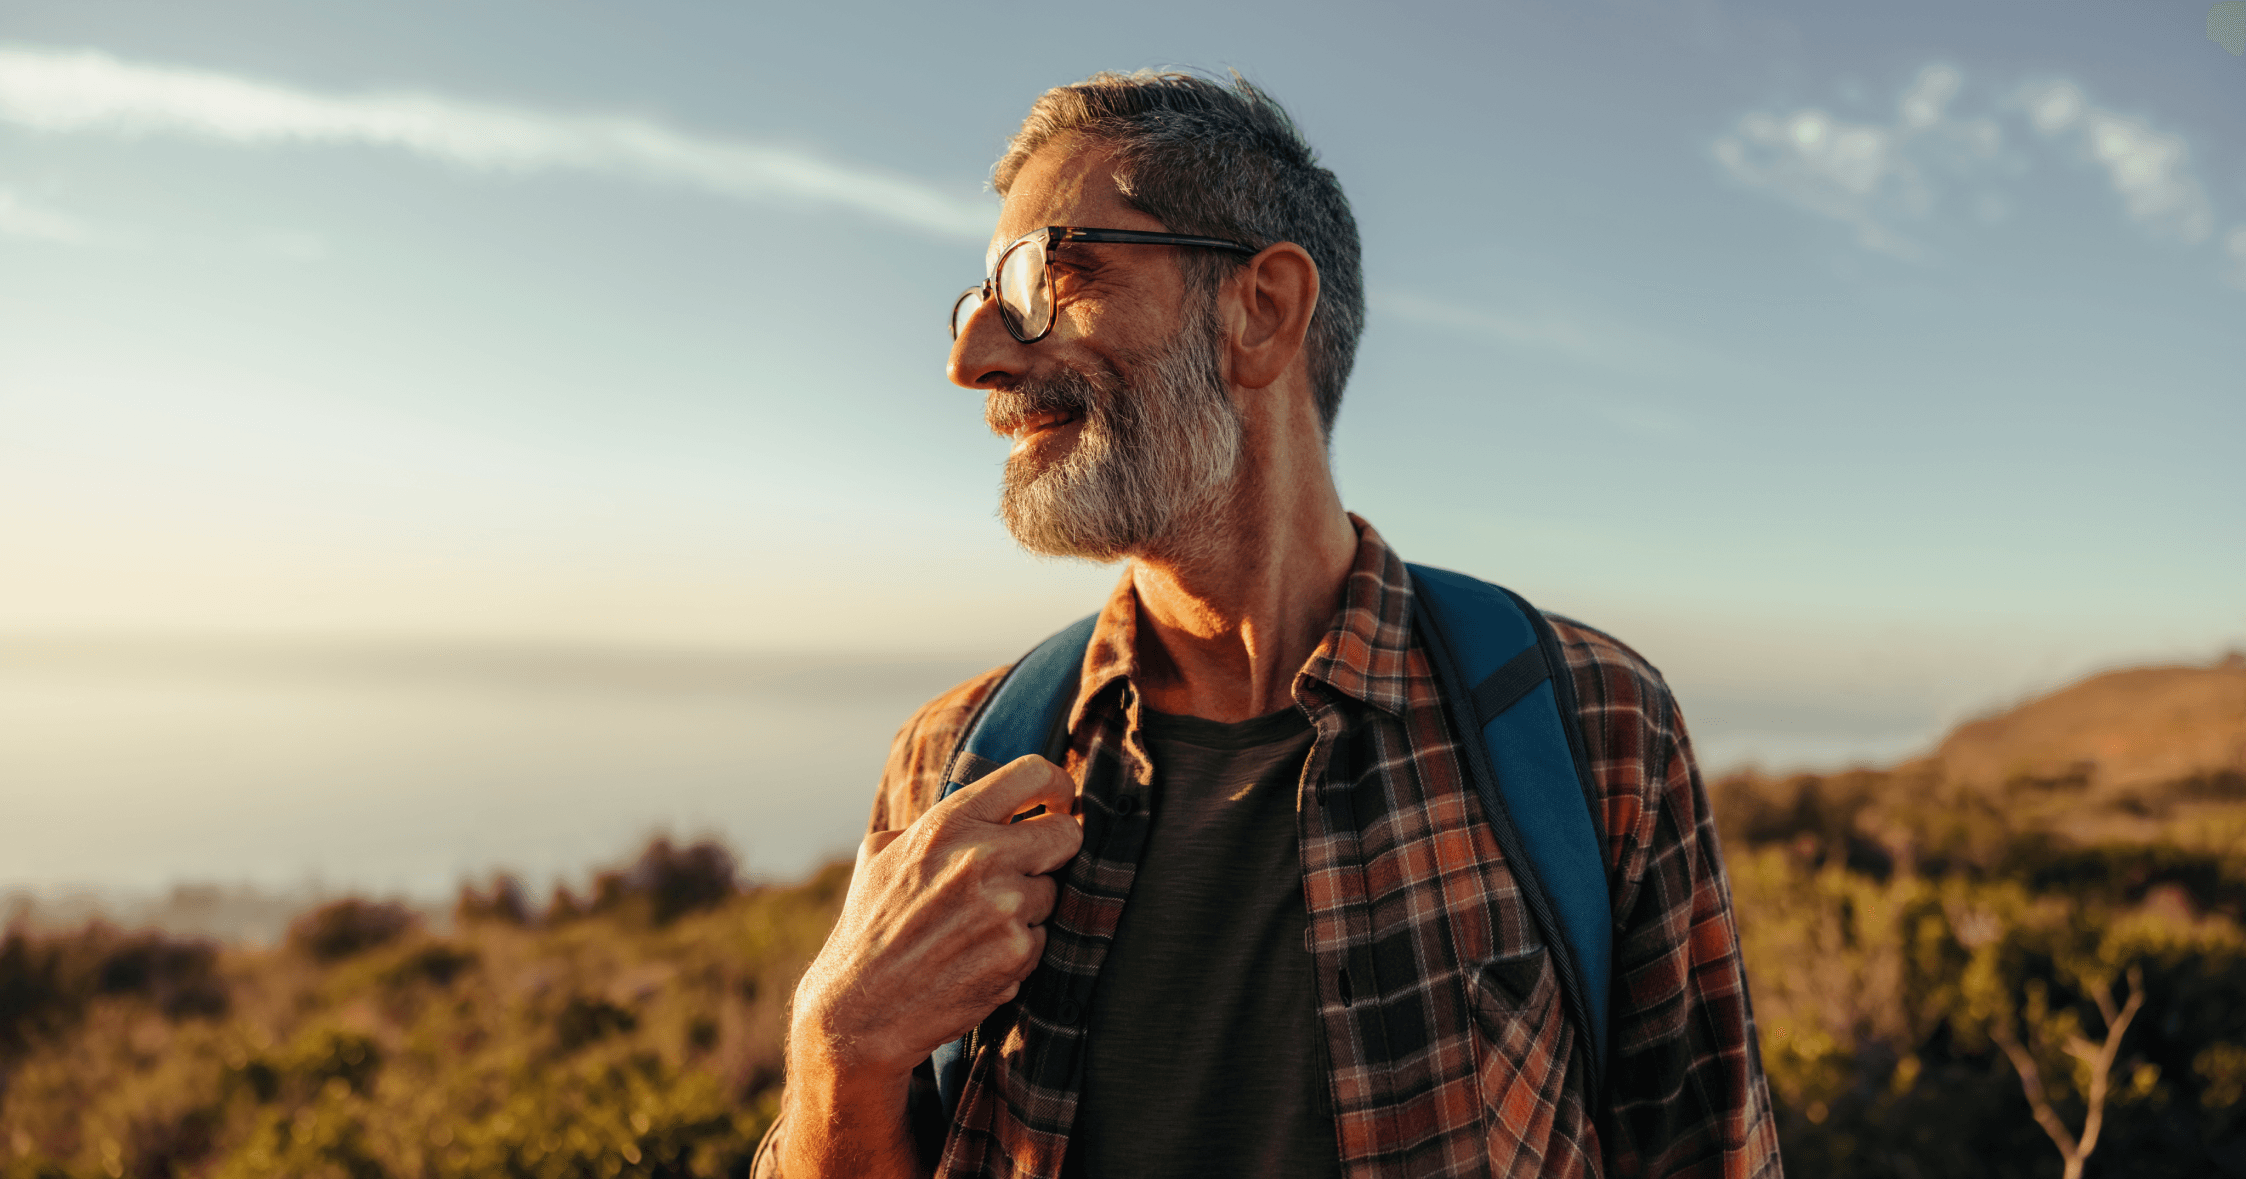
{"points": [[943, 921]]}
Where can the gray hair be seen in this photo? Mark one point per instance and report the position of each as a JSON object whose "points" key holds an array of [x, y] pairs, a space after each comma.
{"points": [[1224, 161]]}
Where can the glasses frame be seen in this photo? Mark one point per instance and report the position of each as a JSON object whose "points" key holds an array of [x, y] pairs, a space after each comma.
{"points": [[1054, 235]]}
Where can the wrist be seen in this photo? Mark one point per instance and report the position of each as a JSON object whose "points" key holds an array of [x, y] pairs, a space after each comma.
{"points": [[836, 1119], [840, 1051], [829, 1073]]}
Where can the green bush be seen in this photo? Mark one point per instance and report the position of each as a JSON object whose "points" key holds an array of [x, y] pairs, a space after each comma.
{"points": [[641, 1039], [1882, 994]]}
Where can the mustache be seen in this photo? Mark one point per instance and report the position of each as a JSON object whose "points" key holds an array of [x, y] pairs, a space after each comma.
{"points": [[1007, 407]]}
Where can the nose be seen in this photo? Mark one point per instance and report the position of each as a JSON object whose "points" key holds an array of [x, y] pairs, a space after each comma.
{"points": [[985, 355]]}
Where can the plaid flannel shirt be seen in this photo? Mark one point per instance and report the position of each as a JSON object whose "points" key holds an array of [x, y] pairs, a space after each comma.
{"points": [[1446, 1041]]}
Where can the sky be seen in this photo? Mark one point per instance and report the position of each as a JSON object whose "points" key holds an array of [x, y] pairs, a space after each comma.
{"points": [[1866, 367]]}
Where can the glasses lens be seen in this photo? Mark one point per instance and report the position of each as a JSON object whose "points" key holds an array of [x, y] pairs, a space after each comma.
{"points": [[1022, 293], [964, 309]]}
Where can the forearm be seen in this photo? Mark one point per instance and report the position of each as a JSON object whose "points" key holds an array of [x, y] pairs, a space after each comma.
{"points": [[834, 1125], [825, 1132]]}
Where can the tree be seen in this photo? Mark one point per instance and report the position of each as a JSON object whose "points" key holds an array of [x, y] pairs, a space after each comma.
{"points": [[1991, 925]]}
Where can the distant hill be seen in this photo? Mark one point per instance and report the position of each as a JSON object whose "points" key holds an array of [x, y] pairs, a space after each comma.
{"points": [[2118, 732], [2137, 755], [2142, 756]]}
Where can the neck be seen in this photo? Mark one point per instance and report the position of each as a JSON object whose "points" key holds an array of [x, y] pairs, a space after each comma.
{"points": [[1224, 627]]}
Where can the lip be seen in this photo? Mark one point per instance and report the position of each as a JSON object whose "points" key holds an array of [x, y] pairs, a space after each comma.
{"points": [[1027, 430]]}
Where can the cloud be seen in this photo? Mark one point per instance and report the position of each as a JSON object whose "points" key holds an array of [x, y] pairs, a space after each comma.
{"points": [[2150, 169], [2226, 26], [1866, 176], [88, 92], [1590, 339], [18, 219], [1542, 331], [1875, 177]]}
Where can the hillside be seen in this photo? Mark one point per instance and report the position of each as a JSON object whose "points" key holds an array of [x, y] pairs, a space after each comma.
{"points": [[2120, 732], [2137, 756], [635, 1031], [1914, 934], [1910, 934]]}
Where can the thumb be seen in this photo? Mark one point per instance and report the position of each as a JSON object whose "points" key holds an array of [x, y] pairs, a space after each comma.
{"points": [[872, 846]]}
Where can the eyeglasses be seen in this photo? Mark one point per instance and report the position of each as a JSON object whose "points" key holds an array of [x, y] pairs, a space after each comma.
{"points": [[1023, 278]]}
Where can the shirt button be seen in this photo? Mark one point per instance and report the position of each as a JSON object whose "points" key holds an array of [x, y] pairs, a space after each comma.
{"points": [[1127, 804], [1070, 1012]]}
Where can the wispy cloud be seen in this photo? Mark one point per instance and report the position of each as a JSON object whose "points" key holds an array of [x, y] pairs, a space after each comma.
{"points": [[1866, 176], [1535, 331], [2150, 169], [1875, 178], [87, 92], [18, 219]]}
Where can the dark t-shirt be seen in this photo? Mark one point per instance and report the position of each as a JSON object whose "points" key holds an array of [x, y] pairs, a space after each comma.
{"points": [[1203, 1054]]}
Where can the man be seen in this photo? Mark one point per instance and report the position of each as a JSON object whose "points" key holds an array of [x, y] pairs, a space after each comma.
{"points": [[1290, 945]]}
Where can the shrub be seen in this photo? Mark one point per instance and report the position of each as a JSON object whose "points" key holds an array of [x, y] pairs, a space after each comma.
{"points": [[671, 882], [504, 902], [437, 963], [585, 1019], [180, 977], [47, 981], [339, 930]]}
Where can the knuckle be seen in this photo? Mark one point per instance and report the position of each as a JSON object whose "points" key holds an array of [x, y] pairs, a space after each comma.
{"points": [[941, 823], [1006, 901]]}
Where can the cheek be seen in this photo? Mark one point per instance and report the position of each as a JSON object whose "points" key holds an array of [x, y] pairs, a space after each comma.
{"points": [[1085, 318], [1118, 319]]}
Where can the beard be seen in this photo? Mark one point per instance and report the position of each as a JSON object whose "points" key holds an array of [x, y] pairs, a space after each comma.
{"points": [[1156, 451]]}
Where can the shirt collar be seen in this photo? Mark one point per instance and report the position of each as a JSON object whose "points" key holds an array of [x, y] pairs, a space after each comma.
{"points": [[1366, 655]]}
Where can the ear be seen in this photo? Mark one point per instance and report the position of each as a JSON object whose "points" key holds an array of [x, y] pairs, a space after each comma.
{"points": [[1272, 299]]}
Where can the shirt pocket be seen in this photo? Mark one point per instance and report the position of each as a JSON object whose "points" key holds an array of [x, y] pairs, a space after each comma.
{"points": [[1520, 1041]]}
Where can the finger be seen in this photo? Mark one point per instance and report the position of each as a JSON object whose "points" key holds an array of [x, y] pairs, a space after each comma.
{"points": [[999, 967], [1035, 954], [1027, 900], [1039, 895], [1036, 846], [1015, 787]]}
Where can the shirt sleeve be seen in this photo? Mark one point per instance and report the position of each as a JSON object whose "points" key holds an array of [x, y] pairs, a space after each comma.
{"points": [[1685, 1088]]}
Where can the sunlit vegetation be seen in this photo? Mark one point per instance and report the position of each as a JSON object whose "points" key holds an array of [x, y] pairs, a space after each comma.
{"points": [[634, 1031], [1945, 986], [2023, 956]]}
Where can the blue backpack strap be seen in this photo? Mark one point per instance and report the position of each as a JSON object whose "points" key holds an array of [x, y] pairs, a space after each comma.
{"points": [[1026, 713], [1503, 675]]}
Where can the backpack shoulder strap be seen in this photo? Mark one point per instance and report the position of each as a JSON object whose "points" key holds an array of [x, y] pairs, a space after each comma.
{"points": [[1026, 713], [1503, 676]]}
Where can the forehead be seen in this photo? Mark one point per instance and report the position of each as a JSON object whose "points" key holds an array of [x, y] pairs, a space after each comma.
{"points": [[1069, 181]]}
